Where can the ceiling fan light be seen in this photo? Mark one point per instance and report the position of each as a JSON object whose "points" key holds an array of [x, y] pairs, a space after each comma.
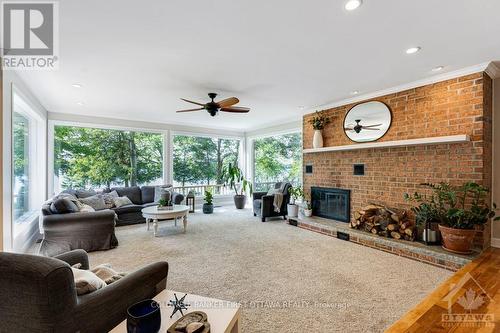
{"points": [[413, 50], [352, 4]]}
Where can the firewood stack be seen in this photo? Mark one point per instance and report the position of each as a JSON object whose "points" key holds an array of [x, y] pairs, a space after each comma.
{"points": [[387, 222]]}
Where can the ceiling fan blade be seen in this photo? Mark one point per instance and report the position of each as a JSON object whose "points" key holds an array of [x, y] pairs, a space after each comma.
{"points": [[187, 100], [228, 102], [191, 110], [371, 129], [235, 109], [373, 125], [349, 129]]}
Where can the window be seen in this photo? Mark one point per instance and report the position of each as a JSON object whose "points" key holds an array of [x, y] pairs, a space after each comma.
{"points": [[199, 160], [277, 158], [28, 163], [90, 157]]}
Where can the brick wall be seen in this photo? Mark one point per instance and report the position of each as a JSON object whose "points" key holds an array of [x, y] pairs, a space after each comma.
{"points": [[458, 106]]}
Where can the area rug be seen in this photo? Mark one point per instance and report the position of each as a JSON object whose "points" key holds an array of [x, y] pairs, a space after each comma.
{"points": [[287, 279]]}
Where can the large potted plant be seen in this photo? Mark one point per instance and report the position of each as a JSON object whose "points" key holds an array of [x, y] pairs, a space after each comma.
{"points": [[318, 122], [292, 207], [457, 209], [208, 206], [233, 176]]}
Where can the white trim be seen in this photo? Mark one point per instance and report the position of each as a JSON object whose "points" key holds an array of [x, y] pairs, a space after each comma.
{"points": [[495, 242], [397, 143], [493, 71], [411, 85], [207, 135], [287, 128]]}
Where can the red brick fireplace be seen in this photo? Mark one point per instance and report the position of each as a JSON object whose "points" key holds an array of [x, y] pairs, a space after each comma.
{"points": [[454, 107]]}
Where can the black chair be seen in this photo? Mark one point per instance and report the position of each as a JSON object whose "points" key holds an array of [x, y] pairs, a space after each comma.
{"points": [[263, 204]]}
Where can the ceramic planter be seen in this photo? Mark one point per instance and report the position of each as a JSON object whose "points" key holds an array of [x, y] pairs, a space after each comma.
{"points": [[208, 208], [293, 210], [457, 240], [318, 139], [240, 201], [308, 212]]}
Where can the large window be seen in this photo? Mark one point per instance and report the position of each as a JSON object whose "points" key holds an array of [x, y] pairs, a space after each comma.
{"points": [[199, 160], [28, 163], [277, 158], [90, 157]]}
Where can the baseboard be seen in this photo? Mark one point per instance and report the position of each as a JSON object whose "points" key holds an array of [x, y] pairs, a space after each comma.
{"points": [[495, 242]]}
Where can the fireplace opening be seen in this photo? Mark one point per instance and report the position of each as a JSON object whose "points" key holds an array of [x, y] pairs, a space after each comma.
{"points": [[331, 203]]}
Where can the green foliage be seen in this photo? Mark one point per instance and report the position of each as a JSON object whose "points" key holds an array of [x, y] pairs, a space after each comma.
{"points": [[459, 207], [88, 157], [208, 196], [233, 176], [296, 192], [319, 121], [200, 160], [162, 202], [278, 158]]}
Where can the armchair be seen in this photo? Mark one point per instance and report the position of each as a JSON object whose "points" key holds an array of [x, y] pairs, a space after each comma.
{"points": [[38, 294], [263, 204]]}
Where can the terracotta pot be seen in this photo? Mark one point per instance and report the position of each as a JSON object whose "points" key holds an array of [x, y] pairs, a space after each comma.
{"points": [[457, 240]]}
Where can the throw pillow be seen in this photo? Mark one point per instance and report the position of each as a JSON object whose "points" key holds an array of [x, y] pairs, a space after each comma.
{"points": [[85, 208], [109, 198], [107, 274], [86, 281], [159, 190], [122, 201], [95, 201], [63, 206]]}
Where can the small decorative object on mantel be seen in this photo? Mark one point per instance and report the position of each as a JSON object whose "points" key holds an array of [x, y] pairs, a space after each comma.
{"points": [[384, 221], [178, 304], [193, 322], [457, 209], [165, 202], [318, 122]]}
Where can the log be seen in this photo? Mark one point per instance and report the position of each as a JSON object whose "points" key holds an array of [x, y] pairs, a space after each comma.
{"points": [[395, 235], [395, 217], [392, 227], [405, 225], [357, 215], [409, 232]]}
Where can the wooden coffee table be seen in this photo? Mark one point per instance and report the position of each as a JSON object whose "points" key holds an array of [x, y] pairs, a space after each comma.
{"points": [[152, 213], [223, 316]]}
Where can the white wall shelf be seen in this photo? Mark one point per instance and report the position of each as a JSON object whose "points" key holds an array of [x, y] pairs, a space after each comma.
{"points": [[398, 143]]}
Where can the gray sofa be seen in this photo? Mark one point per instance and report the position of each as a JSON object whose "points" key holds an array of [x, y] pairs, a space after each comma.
{"points": [[38, 294]]}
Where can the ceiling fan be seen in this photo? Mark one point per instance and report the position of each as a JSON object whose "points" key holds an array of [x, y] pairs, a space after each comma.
{"points": [[358, 127], [213, 107]]}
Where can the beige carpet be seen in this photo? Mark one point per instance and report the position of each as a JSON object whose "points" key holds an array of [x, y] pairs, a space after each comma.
{"points": [[288, 279]]}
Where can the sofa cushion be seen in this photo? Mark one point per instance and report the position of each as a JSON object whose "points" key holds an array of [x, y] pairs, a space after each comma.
{"points": [[96, 201], [147, 194], [84, 193], [109, 198], [63, 206], [128, 209], [133, 193], [122, 201]]}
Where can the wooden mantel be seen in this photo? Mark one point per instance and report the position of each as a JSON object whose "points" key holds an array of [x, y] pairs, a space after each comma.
{"points": [[398, 143]]}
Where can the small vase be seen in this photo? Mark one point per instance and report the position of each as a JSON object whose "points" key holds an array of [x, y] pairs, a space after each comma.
{"points": [[317, 139]]}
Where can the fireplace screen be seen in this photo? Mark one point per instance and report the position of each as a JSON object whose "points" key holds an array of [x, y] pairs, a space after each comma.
{"points": [[331, 203]]}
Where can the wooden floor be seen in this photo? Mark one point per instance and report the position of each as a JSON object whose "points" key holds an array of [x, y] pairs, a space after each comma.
{"points": [[469, 301]]}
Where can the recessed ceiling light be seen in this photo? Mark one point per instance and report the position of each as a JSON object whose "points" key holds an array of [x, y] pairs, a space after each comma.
{"points": [[438, 68], [413, 50], [352, 4], [354, 92], [76, 85], [80, 103]]}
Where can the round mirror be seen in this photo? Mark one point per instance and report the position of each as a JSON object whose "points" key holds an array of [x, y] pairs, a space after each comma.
{"points": [[367, 121]]}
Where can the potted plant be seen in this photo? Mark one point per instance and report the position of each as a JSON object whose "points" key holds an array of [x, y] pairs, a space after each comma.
{"points": [[208, 206], [307, 209], [292, 207], [233, 175], [318, 122], [458, 210]]}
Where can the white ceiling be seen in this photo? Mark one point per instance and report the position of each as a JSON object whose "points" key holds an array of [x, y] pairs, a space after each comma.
{"points": [[135, 59]]}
